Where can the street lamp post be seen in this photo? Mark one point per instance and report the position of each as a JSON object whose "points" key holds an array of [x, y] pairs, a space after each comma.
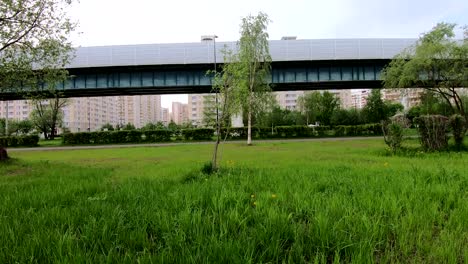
{"points": [[215, 153], [213, 38]]}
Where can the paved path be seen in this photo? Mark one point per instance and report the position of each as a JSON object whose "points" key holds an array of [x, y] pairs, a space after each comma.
{"points": [[183, 143]]}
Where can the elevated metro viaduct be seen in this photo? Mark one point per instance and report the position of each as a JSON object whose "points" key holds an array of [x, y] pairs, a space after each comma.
{"points": [[182, 68]]}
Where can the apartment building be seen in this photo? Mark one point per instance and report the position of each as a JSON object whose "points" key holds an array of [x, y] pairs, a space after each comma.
{"points": [[407, 97], [18, 109], [165, 116], [180, 114], [139, 110], [90, 113], [289, 99]]}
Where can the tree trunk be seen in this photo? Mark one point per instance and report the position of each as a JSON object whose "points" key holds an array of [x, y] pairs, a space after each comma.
{"points": [[214, 162], [3, 154], [249, 126], [52, 133]]}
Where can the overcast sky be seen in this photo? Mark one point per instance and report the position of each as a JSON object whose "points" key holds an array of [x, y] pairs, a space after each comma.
{"points": [[119, 22]]}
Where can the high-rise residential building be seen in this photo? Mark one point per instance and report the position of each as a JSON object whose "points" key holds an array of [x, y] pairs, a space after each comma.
{"points": [[139, 110], [165, 116], [345, 97], [179, 113], [196, 106], [288, 99], [407, 97], [91, 113], [18, 109], [359, 98]]}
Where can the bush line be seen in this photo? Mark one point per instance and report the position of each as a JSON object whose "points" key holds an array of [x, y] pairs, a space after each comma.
{"points": [[153, 136]]}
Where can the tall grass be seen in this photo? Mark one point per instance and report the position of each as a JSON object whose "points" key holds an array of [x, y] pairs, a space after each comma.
{"points": [[303, 202]]}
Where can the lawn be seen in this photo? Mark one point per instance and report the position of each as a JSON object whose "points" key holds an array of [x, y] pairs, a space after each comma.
{"points": [[293, 202]]}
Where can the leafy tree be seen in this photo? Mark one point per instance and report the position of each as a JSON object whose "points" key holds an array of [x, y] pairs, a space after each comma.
{"points": [[18, 127], [2, 127], [281, 117], [154, 126], [209, 111], [251, 72], [107, 127], [319, 107], [377, 110], [308, 105], [327, 105], [173, 126], [348, 117], [129, 126], [33, 44], [47, 116], [393, 108], [437, 62], [224, 83], [430, 104]]}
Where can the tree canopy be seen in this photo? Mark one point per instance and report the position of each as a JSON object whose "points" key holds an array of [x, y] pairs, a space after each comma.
{"points": [[33, 43], [438, 62], [251, 69], [319, 107]]}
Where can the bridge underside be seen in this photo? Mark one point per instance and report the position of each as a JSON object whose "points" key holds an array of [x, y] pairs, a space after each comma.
{"points": [[190, 79]]}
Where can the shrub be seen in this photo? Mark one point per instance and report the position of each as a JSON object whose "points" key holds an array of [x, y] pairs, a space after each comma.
{"points": [[160, 135], [133, 136], [320, 131], [433, 132], [401, 120], [19, 141], [393, 135], [117, 137], [458, 126], [339, 131], [198, 134]]}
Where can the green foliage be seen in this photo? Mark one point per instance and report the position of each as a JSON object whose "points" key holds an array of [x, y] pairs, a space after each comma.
{"points": [[209, 111], [279, 117], [375, 110], [349, 117], [34, 44], [154, 126], [116, 137], [107, 127], [358, 130], [458, 125], [432, 130], [47, 115], [173, 126], [319, 107], [198, 134], [393, 135], [19, 141], [16, 127], [249, 69], [438, 62], [128, 126], [160, 135], [291, 202]]}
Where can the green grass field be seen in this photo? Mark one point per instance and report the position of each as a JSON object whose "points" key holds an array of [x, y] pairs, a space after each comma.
{"points": [[295, 202]]}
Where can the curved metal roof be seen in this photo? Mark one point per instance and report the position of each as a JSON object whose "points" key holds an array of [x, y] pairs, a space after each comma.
{"points": [[202, 52]]}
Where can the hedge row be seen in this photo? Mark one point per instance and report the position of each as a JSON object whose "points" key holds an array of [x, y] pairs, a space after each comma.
{"points": [[136, 136], [116, 137], [304, 131], [19, 141], [198, 134], [359, 130]]}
